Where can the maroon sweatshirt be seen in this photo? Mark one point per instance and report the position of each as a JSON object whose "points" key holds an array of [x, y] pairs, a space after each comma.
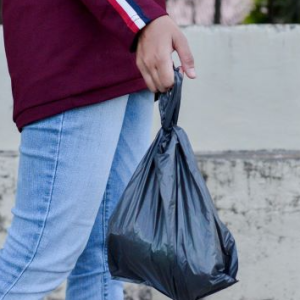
{"points": [[64, 54]]}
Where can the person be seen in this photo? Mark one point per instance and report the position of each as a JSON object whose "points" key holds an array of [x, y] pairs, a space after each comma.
{"points": [[66, 58]]}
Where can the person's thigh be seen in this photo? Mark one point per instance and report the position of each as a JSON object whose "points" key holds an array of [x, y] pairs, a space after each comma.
{"points": [[63, 171], [90, 279]]}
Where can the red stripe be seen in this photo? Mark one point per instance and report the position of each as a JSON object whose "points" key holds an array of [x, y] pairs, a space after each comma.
{"points": [[124, 16]]}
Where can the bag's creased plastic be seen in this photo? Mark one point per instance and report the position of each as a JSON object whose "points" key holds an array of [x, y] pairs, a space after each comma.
{"points": [[165, 231]]}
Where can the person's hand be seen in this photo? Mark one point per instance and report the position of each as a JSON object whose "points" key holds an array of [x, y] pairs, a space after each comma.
{"points": [[155, 46]]}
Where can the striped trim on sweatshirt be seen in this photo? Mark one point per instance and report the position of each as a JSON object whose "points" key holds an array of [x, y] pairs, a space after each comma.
{"points": [[131, 13]]}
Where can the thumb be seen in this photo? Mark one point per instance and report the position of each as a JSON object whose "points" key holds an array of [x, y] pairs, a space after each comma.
{"points": [[181, 46]]}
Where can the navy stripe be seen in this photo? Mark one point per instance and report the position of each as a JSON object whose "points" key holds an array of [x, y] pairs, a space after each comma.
{"points": [[139, 11]]}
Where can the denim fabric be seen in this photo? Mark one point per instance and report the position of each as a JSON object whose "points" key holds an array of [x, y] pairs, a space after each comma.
{"points": [[72, 170]]}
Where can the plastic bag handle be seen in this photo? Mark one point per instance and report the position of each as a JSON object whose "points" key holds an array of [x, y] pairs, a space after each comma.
{"points": [[169, 102]]}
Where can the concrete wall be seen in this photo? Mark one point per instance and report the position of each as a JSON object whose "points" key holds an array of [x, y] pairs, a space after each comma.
{"points": [[246, 95], [257, 196], [245, 99]]}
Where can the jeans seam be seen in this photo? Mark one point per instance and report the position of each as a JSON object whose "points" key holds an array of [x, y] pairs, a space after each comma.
{"points": [[105, 250], [105, 289], [47, 212], [105, 262], [105, 199]]}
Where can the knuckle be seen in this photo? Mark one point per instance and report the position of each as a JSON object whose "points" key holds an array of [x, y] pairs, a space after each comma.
{"points": [[168, 82], [151, 86], [189, 59], [159, 59], [148, 61], [154, 90], [181, 37]]}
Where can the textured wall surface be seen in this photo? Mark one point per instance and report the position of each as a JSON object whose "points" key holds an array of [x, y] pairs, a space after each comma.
{"points": [[8, 177], [258, 197]]}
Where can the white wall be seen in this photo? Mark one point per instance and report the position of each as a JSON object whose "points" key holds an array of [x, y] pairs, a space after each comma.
{"points": [[246, 95]]}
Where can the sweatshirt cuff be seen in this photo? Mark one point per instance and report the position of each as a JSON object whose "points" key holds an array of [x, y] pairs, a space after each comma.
{"points": [[133, 43], [125, 19]]}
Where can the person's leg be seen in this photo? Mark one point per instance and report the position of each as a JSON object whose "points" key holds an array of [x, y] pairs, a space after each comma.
{"points": [[64, 166], [90, 279]]}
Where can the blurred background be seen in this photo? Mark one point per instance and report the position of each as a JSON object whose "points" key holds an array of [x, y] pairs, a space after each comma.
{"points": [[242, 117], [232, 12]]}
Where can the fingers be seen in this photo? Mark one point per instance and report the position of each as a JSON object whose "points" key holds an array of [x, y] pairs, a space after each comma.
{"points": [[159, 74], [154, 54], [165, 73], [185, 55], [147, 76], [156, 44], [156, 79]]}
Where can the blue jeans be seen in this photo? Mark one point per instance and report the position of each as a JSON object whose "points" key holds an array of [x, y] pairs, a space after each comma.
{"points": [[73, 168]]}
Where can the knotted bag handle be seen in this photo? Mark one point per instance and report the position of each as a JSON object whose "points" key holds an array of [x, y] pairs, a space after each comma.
{"points": [[169, 102]]}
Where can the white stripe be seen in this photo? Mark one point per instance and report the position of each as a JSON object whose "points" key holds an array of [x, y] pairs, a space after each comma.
{"points": [[131, 13]]}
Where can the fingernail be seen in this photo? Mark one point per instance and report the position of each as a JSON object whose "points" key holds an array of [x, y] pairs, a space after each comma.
{"points": [[192, 72]]}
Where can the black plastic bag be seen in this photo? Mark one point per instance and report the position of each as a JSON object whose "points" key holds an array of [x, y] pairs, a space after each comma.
{"points": [[165, 231]]}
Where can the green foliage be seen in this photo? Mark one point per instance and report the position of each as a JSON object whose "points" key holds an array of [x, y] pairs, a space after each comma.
{"points": [[275, 11]]}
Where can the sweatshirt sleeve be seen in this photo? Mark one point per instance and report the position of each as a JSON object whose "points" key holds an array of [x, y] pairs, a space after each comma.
{"points": [[125, 18]]}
